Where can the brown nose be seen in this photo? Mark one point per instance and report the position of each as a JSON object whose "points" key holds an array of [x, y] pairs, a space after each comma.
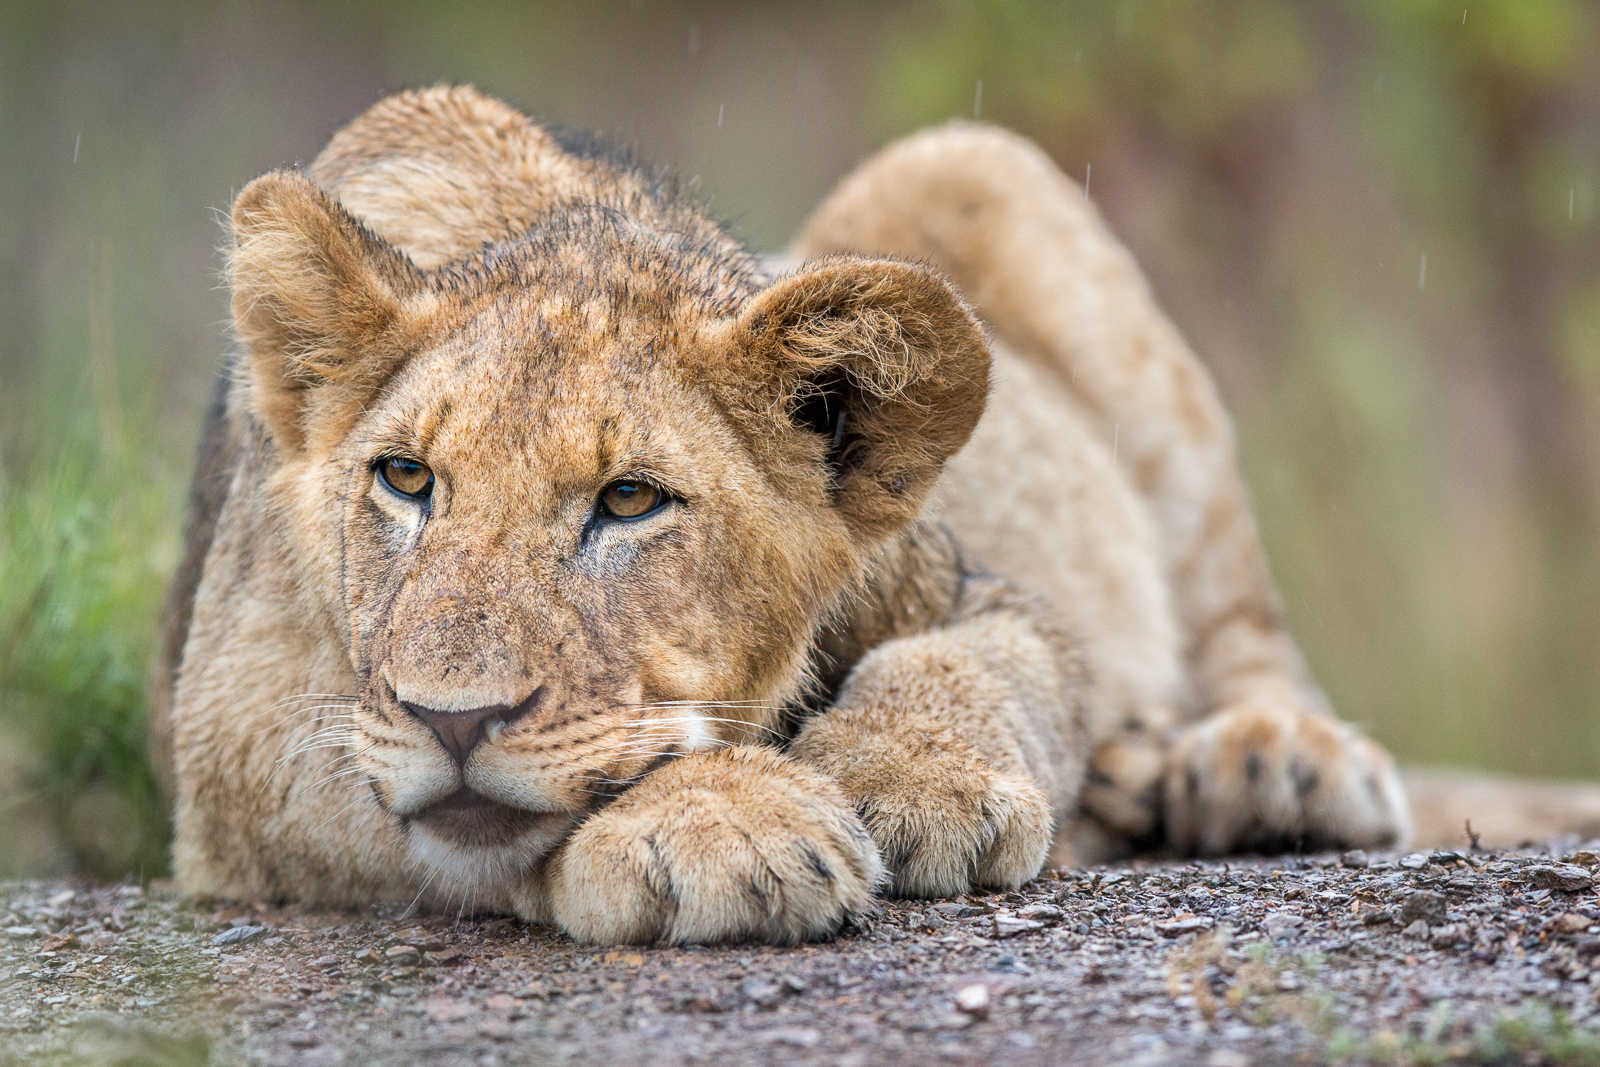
{"points": [[460, 731]]}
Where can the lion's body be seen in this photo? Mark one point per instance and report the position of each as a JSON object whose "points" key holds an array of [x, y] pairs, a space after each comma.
{"points": [[1067, 629]]}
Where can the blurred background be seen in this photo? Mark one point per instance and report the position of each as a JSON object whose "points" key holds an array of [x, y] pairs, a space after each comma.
{"points": [[1376, 219]]}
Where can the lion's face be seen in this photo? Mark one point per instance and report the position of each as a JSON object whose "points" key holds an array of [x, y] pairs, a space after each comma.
{"points": [[579, 509]]}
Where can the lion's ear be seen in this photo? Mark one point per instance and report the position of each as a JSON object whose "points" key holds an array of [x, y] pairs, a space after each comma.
{"points": [[883, 370], [318, 300]]}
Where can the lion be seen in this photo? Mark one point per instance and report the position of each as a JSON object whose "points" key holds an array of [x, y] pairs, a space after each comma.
{"points": [[551, 553]]}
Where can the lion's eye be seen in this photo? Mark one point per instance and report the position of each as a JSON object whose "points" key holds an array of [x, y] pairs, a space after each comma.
{"points": [[407, 477], [631, 500]]}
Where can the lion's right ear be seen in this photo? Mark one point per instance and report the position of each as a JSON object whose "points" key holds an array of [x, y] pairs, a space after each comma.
{"points": [[320, 302]]}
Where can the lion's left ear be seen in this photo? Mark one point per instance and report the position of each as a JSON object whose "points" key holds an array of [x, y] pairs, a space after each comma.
{"points": [[879, 366]]}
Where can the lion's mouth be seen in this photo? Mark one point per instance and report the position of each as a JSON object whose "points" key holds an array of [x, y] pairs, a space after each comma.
{"points": [[469, 818]]}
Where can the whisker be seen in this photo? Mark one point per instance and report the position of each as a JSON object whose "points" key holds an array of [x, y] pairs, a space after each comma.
{"points": [[340, 812]]}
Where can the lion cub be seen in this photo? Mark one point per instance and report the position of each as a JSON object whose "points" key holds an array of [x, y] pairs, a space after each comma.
{"points": [[552, 553]]}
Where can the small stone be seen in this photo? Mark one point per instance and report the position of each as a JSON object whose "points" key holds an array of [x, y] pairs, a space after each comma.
{"points": [[1011, 925], [301, 1039], [1442, 856], [794, 983], [761, 993], [973, 1000], [62, 899], [1586, 858], [1423, 904], [955, 910], [798, 1036], [1280, 923], [1288, 982], [532, 991], [1227, 1057], [326, 963], [238, 935], [1415, 861], [1355, 859], [21, 933], [420, 938], [1565, 877], [1417, 930], [402, 954], [366, 955], [59, 943], [449, 957], [1048, 914], [703, 1004], [1179, 927], [1571, 923], [1446, 936]]}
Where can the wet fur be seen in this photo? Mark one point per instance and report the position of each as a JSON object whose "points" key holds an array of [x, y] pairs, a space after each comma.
{"points": [[850, 655]]}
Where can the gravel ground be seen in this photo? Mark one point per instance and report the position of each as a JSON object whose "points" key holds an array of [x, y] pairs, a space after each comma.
{"points": [[1425, 958]]}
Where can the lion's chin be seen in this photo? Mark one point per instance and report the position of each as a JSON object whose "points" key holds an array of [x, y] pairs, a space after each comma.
{"points": [[473, 842]]}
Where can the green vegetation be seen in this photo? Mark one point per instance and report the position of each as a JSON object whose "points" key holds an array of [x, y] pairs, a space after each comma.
{"points": [[1536, 1036], [85, 548]]}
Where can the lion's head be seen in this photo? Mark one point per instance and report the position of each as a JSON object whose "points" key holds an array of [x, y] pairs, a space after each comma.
{"points": [[578, 502]]}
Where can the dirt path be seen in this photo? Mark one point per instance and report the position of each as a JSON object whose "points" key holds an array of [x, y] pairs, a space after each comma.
{"points": [[1427, 958]]}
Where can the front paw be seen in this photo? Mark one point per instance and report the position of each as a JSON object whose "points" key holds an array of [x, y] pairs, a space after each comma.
{"points": [[1266, 779], [944, 818], [738, 845]]}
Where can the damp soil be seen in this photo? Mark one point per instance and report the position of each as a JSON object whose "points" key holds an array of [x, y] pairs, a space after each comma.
{"points": [[1428, 957]]}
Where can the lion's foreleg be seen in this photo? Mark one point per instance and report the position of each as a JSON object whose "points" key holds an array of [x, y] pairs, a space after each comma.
{"points": [[959, 746]]}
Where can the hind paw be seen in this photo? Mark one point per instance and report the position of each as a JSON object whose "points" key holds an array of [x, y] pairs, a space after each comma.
{"points": [[1252, 778]]}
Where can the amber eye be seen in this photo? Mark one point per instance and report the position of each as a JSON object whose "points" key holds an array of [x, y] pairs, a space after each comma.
{"points": [[407, 477], [631, 500]]}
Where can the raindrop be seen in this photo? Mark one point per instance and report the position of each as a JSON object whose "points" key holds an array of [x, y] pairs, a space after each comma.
{"points": [[720, 108], [1422, 273], [1088, 172], [694, 40], [1572, 197], [977, 99], [79, 143]]}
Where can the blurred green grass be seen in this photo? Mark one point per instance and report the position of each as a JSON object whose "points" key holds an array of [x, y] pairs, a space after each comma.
{"points": [[87, 540], [1374, 218]]}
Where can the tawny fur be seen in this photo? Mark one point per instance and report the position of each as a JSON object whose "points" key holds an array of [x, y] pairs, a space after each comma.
{"points": [[846, 654]]}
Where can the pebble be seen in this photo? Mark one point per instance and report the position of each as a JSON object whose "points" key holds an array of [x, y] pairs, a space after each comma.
{"points": [[1011, 925], [420, 938], [1566, 877], [760, 993], [1417, 930], [1415, 861], [21, 933], [1423, 904], [1045, 913], [973, 999], [1571, 923], [799, 1036], [238, 935], [402, 954], [1179, 927]]}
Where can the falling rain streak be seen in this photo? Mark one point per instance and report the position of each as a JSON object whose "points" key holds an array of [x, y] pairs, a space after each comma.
{"points": [[1422, 273], [977, 100]]}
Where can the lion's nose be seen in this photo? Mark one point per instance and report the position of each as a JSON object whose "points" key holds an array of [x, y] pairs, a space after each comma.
{"points": [[459, 731]]}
